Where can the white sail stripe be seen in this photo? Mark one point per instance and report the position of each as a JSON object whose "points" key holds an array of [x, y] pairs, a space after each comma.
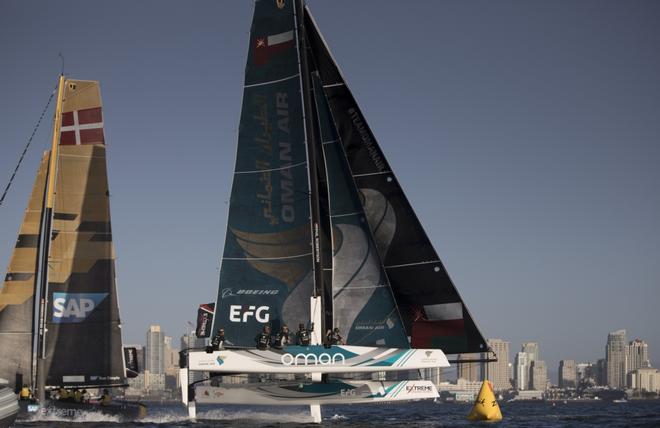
{"points": [[334, 84], [267, 258], [372, 173], [346, 215], [412, 264], [363, 287], [16, 332], [276, 39], [271, 81], [330, 141], [85, 126], [271, 169]]}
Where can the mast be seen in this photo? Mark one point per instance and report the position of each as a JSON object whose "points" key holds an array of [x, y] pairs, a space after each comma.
{"points": [[46, 238], [311, 133]]}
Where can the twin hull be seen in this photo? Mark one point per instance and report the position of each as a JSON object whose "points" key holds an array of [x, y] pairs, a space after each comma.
{"points": [[316, 359], [337, 392]]}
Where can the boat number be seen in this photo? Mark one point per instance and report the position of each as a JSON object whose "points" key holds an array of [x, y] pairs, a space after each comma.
{"points": [[347, 392]]}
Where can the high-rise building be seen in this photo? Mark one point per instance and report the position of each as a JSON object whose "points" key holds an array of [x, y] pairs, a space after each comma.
{"points": [[532, 351], [498, 372], [192, 341], [539, 375], [601, 372], [521, 371], [616, 356], [467, 371], [585, 373], [567, 374], [154, 356], [638, 355]]}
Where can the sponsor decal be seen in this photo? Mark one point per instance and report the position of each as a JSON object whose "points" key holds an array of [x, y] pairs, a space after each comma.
{"points": [[240, 313], [221, 359], [429, 357], [228, 292], [93, 378], [414, 389], [323, 359], [75, 307]]}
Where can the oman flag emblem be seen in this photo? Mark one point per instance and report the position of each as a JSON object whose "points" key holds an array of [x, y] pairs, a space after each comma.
{"points": [[266, 47]]}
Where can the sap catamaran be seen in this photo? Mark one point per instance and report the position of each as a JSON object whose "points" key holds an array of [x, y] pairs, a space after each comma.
{"points": [[320, 232], [59, 318]]}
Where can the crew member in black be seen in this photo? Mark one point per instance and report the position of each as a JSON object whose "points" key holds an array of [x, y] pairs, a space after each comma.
{"points": [[303, 338], [218, 340], [282, 338], [263, 338], [332, 337]]}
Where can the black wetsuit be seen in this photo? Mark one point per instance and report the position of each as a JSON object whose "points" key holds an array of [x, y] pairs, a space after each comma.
{"points": [[281, 340], [303, 338], [263, 341]]}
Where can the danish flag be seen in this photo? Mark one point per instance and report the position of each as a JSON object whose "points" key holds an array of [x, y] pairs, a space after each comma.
{"points": [[82, 127]]}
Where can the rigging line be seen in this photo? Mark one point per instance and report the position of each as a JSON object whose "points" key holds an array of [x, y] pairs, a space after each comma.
{"points": [[34, 131]]}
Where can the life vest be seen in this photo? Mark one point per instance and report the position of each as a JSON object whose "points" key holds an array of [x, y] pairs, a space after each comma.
{"points": [[303, 337], [263, 341], [25, 393]]}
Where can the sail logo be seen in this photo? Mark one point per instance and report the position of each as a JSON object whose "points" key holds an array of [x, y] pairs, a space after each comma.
{"points": [[240, 313], [75, 307], [323, 359]]}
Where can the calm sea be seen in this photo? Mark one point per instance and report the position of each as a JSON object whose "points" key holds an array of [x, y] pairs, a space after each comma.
{"points": [[424, 414]]}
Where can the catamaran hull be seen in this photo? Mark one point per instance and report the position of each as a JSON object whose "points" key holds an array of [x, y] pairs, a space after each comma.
{"points": [[316, 359], [336, 392], [123, 410], [8, 407]]}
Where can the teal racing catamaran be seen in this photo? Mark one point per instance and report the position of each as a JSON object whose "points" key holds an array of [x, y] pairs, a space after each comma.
{"points": [[320, 232]]}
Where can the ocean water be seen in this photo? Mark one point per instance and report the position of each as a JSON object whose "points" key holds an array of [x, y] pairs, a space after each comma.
{"points": [[417, 414]]}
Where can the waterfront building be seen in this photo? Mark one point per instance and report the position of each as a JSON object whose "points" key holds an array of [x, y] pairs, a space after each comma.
{"points": [[601, 372], [532, 351], [499, 372], [645, 379], [463, 390], [192, 341], [467, 371], [585, 373], [567, 374], [154, 356], [521, 371], [638, 355], [616, 357], [539, 381]]}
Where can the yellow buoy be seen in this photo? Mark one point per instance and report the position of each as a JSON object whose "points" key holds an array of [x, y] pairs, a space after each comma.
{"points": [[485, 407]]}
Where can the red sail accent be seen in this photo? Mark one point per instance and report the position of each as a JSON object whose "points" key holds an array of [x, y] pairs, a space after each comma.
{"points": [[423, 332], [82, 127]]}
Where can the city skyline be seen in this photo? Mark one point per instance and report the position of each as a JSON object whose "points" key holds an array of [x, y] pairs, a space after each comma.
{"points": [[526, 142]]}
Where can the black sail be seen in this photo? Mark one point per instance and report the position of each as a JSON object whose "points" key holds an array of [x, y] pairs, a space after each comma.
{"points": [[363, 306], [433, 312], [17, 292], [83, 339], [266, 275]]}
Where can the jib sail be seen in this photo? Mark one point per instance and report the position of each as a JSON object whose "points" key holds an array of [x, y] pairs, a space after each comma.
{"points": [[434, 314], [17, 292]]}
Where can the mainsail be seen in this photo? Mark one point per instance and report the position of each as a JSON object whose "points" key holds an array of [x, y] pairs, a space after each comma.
{"points": [[266, 271], [65, 240], [83, 340], [17, 292], [313, 192]]}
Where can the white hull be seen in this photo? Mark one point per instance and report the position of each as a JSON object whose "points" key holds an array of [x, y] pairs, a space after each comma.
{"points": [[314, 394], [316, 359]]}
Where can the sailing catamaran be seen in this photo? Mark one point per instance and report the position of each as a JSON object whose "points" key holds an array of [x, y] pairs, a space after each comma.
{"points": [[59, 318], [320, 232]]}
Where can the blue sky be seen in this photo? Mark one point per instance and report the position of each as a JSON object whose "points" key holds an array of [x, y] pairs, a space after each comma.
{"points": [[526, 135]]}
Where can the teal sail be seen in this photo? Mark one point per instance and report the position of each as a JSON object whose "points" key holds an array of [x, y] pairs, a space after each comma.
{"points": [[266, 274], [363, 306]]}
